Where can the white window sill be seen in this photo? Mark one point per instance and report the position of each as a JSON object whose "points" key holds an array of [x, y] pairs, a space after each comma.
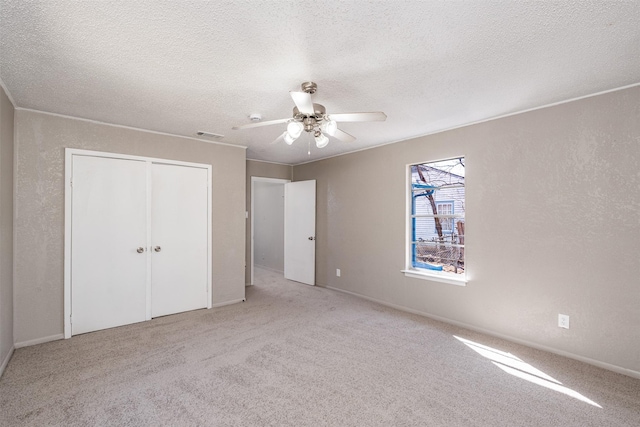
{"points": [[436, 277]]}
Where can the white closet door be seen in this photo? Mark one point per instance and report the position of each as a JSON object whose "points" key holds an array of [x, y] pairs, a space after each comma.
{"points": [[179, 242], [108, 225]]}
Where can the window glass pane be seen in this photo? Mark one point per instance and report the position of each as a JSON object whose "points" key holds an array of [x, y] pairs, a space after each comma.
{"points": [[425, 229], [441, 257], [437, 221]]}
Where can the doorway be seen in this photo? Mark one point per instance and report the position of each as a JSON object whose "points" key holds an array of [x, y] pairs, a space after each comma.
{"points": [[267, 224], [283, 222]]}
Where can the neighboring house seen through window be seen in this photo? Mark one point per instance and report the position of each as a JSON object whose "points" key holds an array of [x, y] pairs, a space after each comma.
{"points": [[437, 226]]}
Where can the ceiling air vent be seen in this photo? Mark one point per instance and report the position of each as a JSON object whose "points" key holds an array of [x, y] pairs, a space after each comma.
{"points": [[209, 135]]}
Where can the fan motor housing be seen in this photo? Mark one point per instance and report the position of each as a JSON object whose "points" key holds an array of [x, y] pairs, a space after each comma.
{"points": [[318, 109], [310, 122]]}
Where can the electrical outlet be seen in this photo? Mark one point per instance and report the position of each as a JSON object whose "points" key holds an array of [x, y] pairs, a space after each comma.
{"points": [[337, 272], [563, 321]]}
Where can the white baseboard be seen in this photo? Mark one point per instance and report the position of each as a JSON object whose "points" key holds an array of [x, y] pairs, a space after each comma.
{"points": [[39, 340], [604, 365], [222, 304], [5, 362]]}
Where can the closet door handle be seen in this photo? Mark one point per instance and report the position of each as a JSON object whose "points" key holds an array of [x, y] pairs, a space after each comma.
{"points": [[140, 250], [157, 249]]}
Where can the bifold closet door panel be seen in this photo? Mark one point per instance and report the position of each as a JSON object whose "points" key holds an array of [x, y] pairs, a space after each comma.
{"points": [[108, 241], [179, 243]]}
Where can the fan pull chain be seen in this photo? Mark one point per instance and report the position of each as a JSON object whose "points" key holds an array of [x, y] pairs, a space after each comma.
{"points": [[309, 145]]}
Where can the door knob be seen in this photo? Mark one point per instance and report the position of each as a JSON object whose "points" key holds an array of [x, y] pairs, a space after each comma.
{"points": [[157, 249], [140, 250], [312, 238]]}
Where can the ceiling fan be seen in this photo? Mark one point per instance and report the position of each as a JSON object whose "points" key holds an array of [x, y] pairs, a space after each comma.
{"points": [[313, 118]]}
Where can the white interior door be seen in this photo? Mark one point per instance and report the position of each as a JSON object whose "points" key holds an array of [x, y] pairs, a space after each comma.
{"points": [[300, 231], [179, 242], [108, 241]]}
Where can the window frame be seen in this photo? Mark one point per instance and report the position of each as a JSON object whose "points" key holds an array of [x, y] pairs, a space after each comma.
{"points": [[423, 273]]}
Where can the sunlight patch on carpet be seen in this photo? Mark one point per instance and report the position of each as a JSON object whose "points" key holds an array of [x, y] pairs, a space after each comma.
{"points": [[517, 367]]}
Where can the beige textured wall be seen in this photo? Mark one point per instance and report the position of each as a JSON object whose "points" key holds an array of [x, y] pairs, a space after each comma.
{"points": [[40, 143], [264, 170], [6, 226], [553, 226]]}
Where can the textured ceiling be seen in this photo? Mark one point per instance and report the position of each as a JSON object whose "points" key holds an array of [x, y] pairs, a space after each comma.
{"points": [[184, 66]]}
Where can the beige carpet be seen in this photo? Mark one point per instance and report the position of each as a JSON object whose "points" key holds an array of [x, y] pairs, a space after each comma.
{"points": [[294, 355]]}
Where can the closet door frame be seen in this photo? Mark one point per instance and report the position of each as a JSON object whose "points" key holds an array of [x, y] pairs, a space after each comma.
{"points": [[68, 185]]}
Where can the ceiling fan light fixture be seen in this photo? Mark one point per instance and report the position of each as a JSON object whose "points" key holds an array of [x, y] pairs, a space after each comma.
{"points": [[288, 138], [313, 119], [321, 140], [294, 129], [330, 127]]}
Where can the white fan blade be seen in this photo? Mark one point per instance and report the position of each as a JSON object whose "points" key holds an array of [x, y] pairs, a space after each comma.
{"points": [[343, 136], [278, 139], [377, 116], [303, 102], [255, 125]]}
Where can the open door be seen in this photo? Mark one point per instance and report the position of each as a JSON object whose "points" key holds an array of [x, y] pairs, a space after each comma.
{"points": [[300, 231]]}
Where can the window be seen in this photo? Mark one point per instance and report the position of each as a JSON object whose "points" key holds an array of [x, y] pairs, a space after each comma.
{"points": [[436, 220], [444, 209]]}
